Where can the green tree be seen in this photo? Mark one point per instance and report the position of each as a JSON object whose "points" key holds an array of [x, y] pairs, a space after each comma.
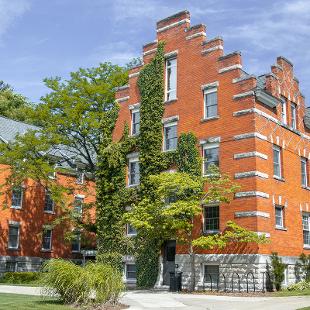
{"points": [[277, 270], [15, 106], [76, 118], [172, 210]]}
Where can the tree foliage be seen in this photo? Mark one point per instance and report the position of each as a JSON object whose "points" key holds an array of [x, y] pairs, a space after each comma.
{"points": [[277, 270]]}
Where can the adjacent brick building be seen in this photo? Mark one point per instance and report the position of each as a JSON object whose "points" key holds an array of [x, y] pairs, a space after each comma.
{"points": [[256, 128], [28, 235]]}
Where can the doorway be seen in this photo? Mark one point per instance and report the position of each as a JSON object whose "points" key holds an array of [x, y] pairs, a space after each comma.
{"points": [[168, 260]]}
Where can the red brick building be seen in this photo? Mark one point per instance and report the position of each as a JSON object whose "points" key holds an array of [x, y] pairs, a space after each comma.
{"points": [[28, 235], [256, 128]]}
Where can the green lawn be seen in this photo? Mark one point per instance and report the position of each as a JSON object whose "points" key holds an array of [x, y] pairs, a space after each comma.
{"points": [[285, 293], [307, 308], [25, 302]]}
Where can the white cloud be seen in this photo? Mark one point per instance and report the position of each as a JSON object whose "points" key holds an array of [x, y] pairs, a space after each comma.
{"points": [[9, 11]]}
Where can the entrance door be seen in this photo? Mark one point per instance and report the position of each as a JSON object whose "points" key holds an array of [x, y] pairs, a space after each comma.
{"points": [[168, 260]]}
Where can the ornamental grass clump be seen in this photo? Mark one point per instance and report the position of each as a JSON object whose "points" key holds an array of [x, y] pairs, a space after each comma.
{"points": [[93, 284]]}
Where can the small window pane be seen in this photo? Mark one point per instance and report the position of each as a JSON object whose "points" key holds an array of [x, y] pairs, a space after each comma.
{"points": [[131, 231], [211, 274], [13, 237], [136, 122], [171, 137], [279, 216], [17, 196], [211, 104], [78, 205], [293, 116], [212, 218], [171, 71], [277, 161], [306, 229], [131, 271], [47, 239], [211, 157], [76, 242], [304, 172], [134, 173], [49, 203]]}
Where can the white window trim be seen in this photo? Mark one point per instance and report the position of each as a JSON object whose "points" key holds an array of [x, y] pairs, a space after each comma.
{"points": [[282, 216], [50, 246], [135, 110], [306, 245], [215, 204], [130, 234], [294, 115], [304, 160], [21, 200], [166, 78], [284, 110], [205, 92], [166, 125], [278, 148], [131, 160], [207, 146], [129, 280], [18, 236]]}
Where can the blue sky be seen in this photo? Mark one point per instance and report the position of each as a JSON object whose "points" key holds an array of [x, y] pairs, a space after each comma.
{"points": [[44, 38]]}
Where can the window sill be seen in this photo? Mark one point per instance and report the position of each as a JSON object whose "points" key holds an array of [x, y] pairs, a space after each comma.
{"points": [[46, 250], [207, 119], [49, 212], [168, 151], [76, 252], [307, 246], [171, 101], [279, 178], [211, 232], [131, 235], [134, 135], [130, 281], [132, 185], [13, 249], [305, 187], [16, 208], [281, 228]]}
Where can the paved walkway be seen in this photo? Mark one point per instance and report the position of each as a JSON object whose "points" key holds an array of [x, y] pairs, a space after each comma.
{"points": [[139, 300]]}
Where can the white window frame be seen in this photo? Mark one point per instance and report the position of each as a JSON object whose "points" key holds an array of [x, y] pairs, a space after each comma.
{"points": [[20, 206], [166, 125], [206, 92], [77, 232], [80, 178], [208, 231], [128, 233], [293, 115], [284, 110], [47, 193], [130, 161], [167, 92], [304, 174], [81, 199], [133, 111], [130, 280], [51, 237], [307, 217], [278, 150], [16, 225], [279, 207], [207, 146]]}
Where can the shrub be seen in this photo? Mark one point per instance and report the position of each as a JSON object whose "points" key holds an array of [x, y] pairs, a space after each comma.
{"points": [[20, 277], [305, 265], [95, 283], [300, 286], [278, 269]]}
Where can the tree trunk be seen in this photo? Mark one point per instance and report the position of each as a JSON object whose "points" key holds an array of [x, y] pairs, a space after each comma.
{"points": [[192, 263]]}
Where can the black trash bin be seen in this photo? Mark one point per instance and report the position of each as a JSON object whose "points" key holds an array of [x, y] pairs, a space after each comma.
{"points": [[175, 281]]}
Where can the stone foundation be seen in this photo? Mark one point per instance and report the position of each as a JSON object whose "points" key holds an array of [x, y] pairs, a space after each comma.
{"points": [[232, 265]]}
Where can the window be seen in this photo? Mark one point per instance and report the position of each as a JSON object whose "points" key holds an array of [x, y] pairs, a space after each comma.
{"points": [[131, 272], [80, 177], [279, 214], [10, 266], [135, 122], [133, 172], [211, 272], [171, 79], [211, 219], [210, 156], [78, 205], [13, 236], [130, 230], [293, 116], [210, 103], [170, 137], [76, 242], [47, 239], [306, 228], [49, 203], [277, 169], [283, 110], [17, 197], [304, 172]]}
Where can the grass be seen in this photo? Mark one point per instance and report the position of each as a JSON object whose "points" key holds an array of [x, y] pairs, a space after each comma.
{"points": [[286, 293], [306, 308], [26, 302]]}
